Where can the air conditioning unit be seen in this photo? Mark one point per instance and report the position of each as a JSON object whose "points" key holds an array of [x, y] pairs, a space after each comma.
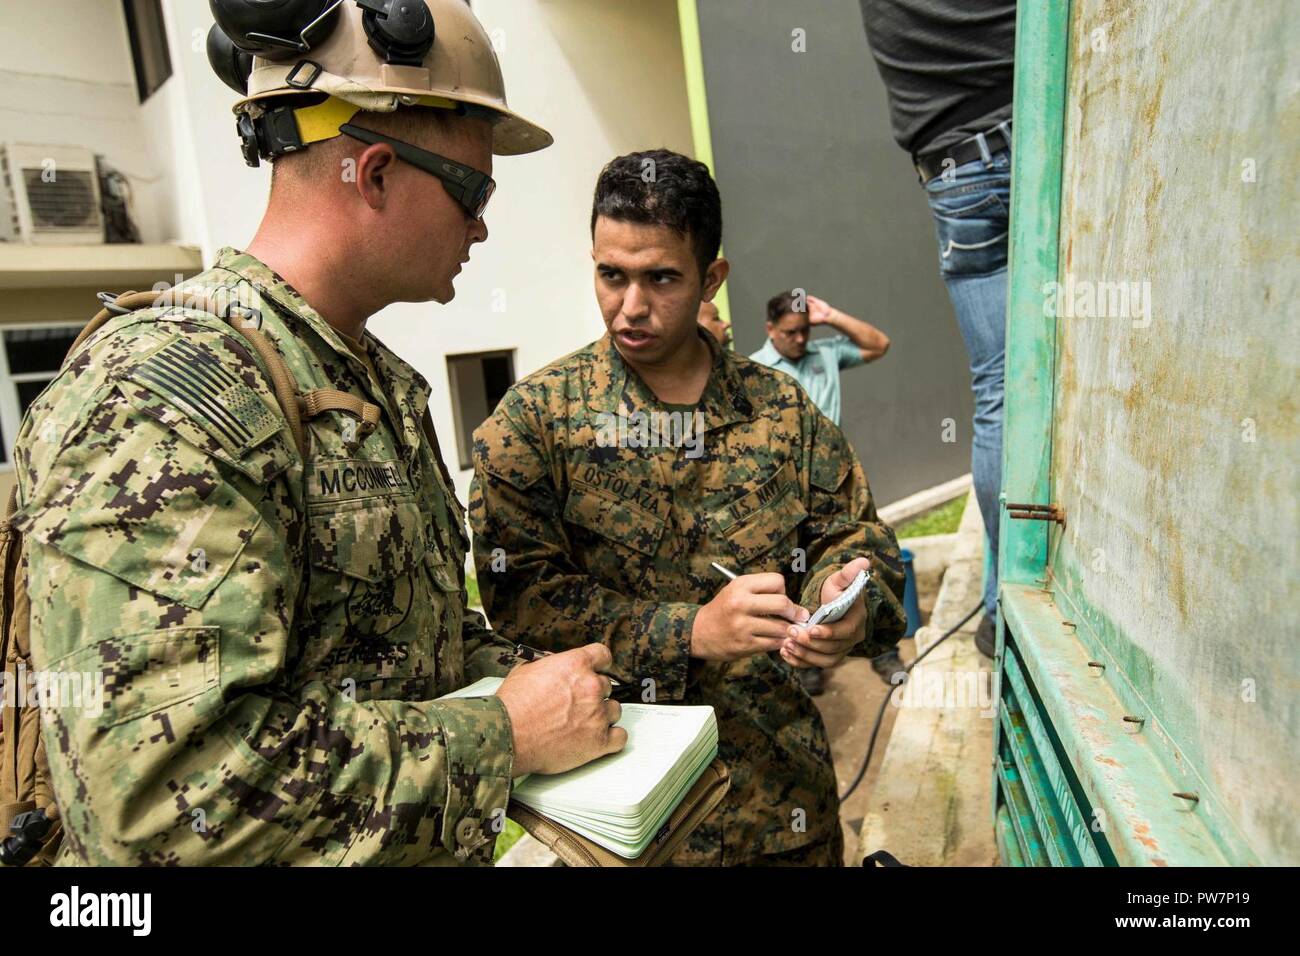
{"points": [[55, 193]]}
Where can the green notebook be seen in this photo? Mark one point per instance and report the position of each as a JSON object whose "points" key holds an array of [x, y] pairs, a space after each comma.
{"points": [[621, 801]]}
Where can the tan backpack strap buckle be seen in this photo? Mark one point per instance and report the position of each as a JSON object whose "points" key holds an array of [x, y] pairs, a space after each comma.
{"points": [[321, 400]]}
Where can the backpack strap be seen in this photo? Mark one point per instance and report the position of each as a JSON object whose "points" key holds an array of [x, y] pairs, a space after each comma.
{"points": [[319, 400]]}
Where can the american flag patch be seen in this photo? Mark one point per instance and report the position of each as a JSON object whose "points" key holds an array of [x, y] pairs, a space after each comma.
{"points": [[196, 381]]}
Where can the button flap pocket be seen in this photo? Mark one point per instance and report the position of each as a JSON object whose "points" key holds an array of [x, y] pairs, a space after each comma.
{"points": [[372, 539], [142, 674], [613, 517]]}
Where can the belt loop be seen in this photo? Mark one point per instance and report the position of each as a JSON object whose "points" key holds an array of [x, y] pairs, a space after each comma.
{"points": [[985, 156]]}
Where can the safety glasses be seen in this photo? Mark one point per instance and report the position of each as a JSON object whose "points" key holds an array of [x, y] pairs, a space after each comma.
{"points": [[469, 187]]}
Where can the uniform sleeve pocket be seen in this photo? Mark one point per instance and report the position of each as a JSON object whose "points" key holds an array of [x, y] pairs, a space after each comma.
{"points": [[610, 516], [130, 676], [443, 572]]}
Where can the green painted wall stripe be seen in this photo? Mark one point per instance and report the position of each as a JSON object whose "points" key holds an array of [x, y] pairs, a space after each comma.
{"points": [[698, 100]]}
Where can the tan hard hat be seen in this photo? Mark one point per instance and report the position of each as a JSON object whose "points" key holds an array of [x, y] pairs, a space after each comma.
{"points": [[460, 68]]}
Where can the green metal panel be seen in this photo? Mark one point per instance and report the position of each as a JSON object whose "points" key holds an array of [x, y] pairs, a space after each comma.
{"points": [[1175, 425], [1038, 125], [1041, 35], [1008, 846], [1022, 719], [1161, 418], [1125, 793]]}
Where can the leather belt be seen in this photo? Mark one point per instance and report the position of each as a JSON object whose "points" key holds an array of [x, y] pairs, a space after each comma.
{"points": [[930, 165]]}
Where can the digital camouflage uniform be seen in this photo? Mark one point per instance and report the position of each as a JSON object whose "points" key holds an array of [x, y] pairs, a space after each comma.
{"points": [[271, 636], [613, 544]]}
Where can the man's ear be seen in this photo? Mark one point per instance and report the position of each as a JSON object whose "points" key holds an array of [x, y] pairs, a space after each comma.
{"points": [[714, 276], [373, 167]]}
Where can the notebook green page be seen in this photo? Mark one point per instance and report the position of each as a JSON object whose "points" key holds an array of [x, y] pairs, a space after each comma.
{"points": [[622, 800]]}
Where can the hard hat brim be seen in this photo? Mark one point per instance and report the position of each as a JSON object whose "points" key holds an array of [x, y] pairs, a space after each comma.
{"points": [[512, 135]]}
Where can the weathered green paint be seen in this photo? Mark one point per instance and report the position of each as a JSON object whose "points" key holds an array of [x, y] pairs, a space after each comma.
{"points": [[1176, 431], [1038, 124], [1168, 434], [1038, 792], [1028, 843], [1008, 846], [1034, 740], [1041, 30], [1120, 773]]}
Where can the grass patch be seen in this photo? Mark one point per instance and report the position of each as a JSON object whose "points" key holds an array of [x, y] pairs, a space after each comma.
{"points": [[508, 838], [471, 586], [941, 520]]}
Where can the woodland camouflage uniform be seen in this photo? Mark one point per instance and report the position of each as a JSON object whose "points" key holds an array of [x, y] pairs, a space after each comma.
{"points": [[578, 538]]}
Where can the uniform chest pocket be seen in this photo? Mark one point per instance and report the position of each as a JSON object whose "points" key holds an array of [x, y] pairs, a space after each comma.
{"points": [[370, 591], [371, 540], [763, 519], [613, 518]]}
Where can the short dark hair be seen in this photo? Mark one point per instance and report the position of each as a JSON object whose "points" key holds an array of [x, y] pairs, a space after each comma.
{"points": [[782, 304], [658, 187]]}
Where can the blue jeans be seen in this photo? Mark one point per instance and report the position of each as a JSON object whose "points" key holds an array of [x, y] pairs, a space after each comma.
{"points": [[970, 217]]}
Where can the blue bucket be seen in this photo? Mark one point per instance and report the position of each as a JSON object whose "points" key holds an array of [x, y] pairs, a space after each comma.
{"points": [[910, 603]]}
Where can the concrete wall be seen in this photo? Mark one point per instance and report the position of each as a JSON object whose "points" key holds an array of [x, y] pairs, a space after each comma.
{"points": [[1175, 442], [816, 194]]}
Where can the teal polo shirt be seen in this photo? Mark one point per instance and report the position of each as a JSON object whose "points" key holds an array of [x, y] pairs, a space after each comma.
{"points": [[819, 369]]}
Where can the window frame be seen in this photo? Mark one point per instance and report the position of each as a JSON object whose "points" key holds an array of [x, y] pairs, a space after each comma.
{"points": [[11, 414], [465, 455], [134, 37]]}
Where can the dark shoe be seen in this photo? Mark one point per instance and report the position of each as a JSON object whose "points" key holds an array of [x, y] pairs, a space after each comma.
{"points": [[813, 680], [887, 665], [986, 635]]}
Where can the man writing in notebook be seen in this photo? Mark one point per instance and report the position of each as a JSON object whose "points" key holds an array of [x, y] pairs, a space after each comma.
{"points": [[608, 482]]}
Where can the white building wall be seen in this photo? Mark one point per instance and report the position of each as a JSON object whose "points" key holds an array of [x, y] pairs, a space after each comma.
{"points": [[66, 79], [605, 78]]}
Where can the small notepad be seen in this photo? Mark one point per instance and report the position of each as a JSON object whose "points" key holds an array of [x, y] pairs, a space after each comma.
{"points": [[620, 801]]}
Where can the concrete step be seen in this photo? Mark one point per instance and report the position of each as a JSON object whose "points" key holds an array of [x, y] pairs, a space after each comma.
{"points": [[932, 801]]}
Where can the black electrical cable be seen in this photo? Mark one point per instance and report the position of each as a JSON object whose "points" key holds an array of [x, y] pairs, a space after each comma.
{"points": [[875, 731]]}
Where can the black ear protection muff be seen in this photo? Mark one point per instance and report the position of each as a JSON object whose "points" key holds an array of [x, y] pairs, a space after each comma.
{"points": [[401, 31], [275, 29], [231, 64]]}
